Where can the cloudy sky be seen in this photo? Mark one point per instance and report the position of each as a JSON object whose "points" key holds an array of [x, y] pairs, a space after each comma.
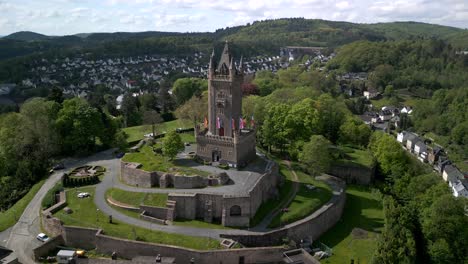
{"points": [[61, 17]]}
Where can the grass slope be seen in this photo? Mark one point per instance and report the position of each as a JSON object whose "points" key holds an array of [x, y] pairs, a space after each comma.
{"points": [[10, 216], [138, 132], [363, 210], [354, 156], [155, 162], [305, 202], [284, 192], [137, 198], [86, 214]]}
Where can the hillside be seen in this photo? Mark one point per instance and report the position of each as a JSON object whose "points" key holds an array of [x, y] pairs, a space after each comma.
{"points": [[260, 37], [26, 36]]}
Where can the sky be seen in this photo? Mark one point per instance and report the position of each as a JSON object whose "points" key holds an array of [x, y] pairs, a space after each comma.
{"points": [[66, 17]]}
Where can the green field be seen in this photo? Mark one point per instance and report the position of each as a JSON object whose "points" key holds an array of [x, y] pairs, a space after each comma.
{"points": [[363, 210], [156, 162], [354, 156], [86, 214], [10, 216], [138, 132], [306, 201], [137, 198]]}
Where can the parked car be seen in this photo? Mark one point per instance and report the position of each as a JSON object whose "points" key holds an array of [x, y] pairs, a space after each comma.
{"points": [[42, 237], [83, 195], [59, 166], [187, 144], [119, 155]]}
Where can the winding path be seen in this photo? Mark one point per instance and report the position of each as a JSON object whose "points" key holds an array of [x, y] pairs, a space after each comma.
{"points": [[22, 237]]}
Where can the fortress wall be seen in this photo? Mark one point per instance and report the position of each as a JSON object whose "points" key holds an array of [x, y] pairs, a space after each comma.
{"points": [[353, 174], [185, 204], [51, 225], [312, 226], [189, 182], [138, 177], [80, 237], [236, 220], [154, 211], [216, 205], [130, 249]]}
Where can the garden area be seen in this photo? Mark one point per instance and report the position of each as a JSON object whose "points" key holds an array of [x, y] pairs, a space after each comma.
{"points": [[354, 237], [86, 214], [152, 161]]}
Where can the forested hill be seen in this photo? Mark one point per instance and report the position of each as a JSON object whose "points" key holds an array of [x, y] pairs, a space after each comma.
{"points": [[259, 37]]}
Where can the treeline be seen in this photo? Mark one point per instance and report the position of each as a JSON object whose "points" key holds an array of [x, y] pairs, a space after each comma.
{"points": [[428, 64], [424, 223], [446, 115], [46, 129]]}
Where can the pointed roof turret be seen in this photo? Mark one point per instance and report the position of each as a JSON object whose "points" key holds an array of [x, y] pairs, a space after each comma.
{"points": [[241, 64], [225, 57]]}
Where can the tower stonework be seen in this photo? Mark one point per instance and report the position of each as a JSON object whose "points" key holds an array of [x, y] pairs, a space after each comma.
{"points": [[223, 140]]}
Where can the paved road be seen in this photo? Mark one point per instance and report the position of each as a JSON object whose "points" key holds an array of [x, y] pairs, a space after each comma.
{"points": [[22, 237]]}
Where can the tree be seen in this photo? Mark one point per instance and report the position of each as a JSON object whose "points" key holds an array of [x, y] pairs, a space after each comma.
{"points": [[172, 144], [56, 95], [195, 109], [355, 132], [151, 117], [185, 88], [78, 125], [396, 244], [316, 155], [120, 140]]}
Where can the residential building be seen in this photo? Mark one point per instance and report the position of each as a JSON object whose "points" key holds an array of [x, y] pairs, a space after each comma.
{"points": [[371, 93], [451, 173]]}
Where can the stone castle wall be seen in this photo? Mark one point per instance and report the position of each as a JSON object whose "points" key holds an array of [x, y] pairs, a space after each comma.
{"points": [[137, 177], [96, 239], [353, 174], [312, 226], [129, 249]]}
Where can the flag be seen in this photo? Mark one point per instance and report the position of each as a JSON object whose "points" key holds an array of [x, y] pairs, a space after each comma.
{"points": [[241, 123], [218, 123], [252, 122], [233, 125], [206, 122]]}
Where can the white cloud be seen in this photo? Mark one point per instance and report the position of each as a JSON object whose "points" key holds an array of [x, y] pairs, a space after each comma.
{"points": [[72, 16]]}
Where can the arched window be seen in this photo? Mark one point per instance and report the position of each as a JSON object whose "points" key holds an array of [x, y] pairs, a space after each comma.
{"points": [[235, 210]]}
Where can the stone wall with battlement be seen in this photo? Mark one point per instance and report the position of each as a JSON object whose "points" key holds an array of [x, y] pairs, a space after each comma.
{"points": [[312, 226], [217, 207], [131, 174]]}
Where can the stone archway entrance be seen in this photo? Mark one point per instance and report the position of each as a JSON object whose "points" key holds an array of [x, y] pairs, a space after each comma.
{"points": [[235, 210], [215, 155]]}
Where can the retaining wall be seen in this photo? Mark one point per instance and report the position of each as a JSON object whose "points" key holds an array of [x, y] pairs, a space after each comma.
{"points": [[312, 226], [47, 247], [353, 174], [80, 237], [137, 177], [129, 249]]}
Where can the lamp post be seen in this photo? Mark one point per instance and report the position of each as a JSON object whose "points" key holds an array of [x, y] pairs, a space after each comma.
{"points": [[97, 217]]}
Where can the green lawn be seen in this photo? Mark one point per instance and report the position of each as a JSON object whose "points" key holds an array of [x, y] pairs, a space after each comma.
{"points": [[10, 216], [137, 198], [156, 162], [270, 204], [357, 156], [138, 132], [86, 214], [363, 210], [199, 224], [305, 202]]}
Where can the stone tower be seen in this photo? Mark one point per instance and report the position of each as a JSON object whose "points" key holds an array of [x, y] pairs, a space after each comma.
{"points": [[223, 140], [224, 94]]}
